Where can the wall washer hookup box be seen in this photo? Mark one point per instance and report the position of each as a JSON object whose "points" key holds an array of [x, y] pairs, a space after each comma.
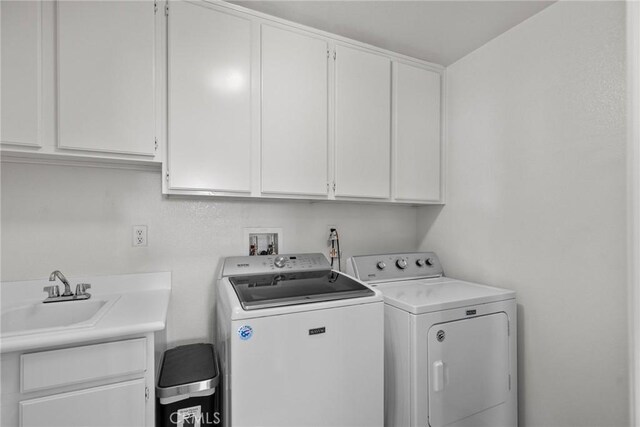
{"points": [[263, 241]]}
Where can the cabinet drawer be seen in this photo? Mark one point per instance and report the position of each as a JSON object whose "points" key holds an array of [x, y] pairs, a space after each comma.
{"points": [[56, 368], [120, 404]]}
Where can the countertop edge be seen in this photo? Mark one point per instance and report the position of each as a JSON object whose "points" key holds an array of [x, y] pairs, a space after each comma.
{"points": [[42, 342]]}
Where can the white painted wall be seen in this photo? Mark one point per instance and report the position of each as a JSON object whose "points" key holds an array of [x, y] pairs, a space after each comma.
{"points": [[79, 220], [633, 212], [537, 202]]}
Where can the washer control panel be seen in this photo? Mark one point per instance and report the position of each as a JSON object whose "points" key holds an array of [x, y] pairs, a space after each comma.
{"points": [[389, 267], [260, 264]]}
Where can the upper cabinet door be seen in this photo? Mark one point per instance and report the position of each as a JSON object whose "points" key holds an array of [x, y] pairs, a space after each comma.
{"points": [[20, 54], [417, 133], [363, 122], [209, 99], [105, 58], [294, 113]]}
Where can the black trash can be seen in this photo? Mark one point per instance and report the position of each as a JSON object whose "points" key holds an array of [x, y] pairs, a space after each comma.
{"points": [[186, 392]]}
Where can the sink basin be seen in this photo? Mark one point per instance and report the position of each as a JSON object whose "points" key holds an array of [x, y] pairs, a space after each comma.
{"points": [[39, 317]]}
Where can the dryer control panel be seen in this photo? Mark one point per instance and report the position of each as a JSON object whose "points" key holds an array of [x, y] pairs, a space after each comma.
{"points": [[390, 267]]}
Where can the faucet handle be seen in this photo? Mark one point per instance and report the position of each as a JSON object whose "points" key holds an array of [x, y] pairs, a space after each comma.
{"points": [[54, 291], [81, 288]]}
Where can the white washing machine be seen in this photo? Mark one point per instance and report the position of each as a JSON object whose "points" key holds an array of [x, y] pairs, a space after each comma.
{"points": [[450, 345], [300, 344]]}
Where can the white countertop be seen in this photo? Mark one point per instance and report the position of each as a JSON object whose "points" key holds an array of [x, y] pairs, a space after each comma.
{"points": [[141, 306]]}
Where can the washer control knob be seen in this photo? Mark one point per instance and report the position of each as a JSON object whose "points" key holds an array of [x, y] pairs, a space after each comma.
{"points": [[381, 265], [429, 261], [420, 262], [280, 261], [401, 263]]}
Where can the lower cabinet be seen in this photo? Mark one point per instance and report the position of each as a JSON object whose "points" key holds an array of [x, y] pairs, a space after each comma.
{"points": [[120, 404], [98, 384]]}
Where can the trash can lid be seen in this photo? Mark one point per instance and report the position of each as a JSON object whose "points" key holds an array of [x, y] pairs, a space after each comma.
{"points": [[188, 369]]}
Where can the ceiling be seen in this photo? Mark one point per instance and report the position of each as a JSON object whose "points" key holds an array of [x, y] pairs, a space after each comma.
{"points": [[435, 31]]}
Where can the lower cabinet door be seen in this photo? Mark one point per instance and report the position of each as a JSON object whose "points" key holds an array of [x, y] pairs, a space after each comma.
{"points": [[121, 404]]}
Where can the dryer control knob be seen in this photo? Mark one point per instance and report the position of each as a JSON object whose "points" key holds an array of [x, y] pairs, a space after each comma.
{"points": [[280, 261], [401, 263], [420, 262], [429, 261], [381, 265]]}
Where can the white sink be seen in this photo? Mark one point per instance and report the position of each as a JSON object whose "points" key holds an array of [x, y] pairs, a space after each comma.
{"points": [[39, 317]]}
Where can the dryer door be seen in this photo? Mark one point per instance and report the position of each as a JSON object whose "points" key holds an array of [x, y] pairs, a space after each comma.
{"points": [[468, 367]]}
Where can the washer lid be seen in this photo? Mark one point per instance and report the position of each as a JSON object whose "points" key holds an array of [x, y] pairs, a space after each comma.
{"points": [[429, 295], [277, 290]]}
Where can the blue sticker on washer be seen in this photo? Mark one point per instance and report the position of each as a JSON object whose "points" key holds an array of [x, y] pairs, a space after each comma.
{"points": [[245, 332]]}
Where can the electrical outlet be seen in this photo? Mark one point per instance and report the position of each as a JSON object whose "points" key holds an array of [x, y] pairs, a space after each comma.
{"points": [[139, 235]]}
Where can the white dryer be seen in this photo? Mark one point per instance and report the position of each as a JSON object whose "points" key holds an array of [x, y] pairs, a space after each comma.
{"points": [[300, 344], [450, 345]]}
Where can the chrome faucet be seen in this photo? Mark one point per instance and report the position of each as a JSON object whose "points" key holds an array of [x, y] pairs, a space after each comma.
{"points": [[54, 290], [59, 275]]}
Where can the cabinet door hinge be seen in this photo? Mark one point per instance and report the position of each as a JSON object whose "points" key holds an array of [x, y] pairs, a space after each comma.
{"points": [[146, 393], [155, 7], [334, 187], [156, 144], [334, 54], [166, 9], [167, 176]]}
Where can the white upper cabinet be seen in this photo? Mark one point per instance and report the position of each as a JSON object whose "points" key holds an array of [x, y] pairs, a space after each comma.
{"points": [[105, 59], [20, 56], [417, 133], [363, 124], [209, 99], [232, 102], [294, 112]]}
